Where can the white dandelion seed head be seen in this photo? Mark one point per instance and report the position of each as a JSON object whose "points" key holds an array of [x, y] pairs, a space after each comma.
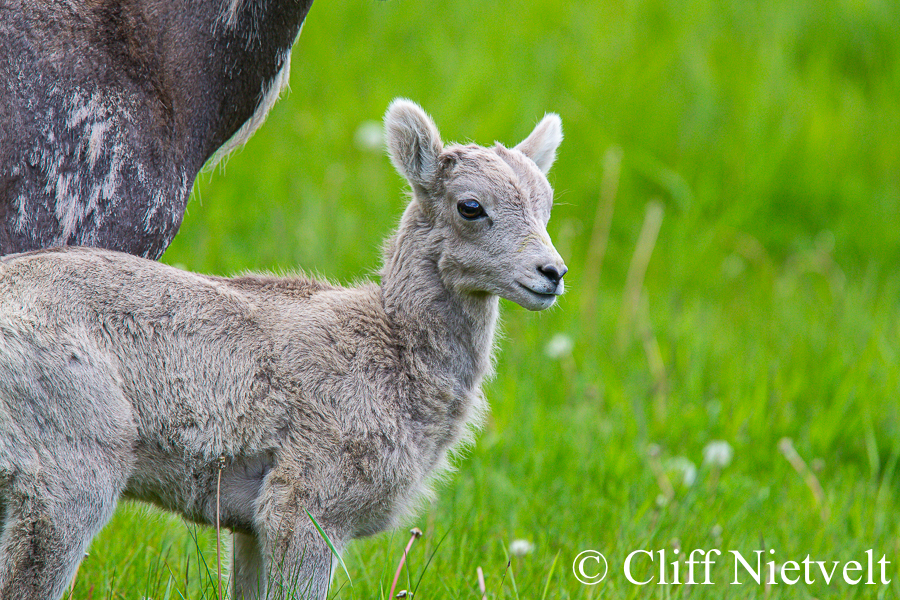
{"points": [[559, 346], [520, 547], [369, 136], [718, 453]]}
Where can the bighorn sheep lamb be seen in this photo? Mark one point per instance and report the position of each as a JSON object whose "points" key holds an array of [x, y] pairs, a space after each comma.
{"points": [[109, 109], [123, 377]]}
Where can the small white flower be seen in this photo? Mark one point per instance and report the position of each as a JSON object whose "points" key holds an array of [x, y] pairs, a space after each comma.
{"points": [[369, 136], [560, 345], [520, 547], [718, 453]]}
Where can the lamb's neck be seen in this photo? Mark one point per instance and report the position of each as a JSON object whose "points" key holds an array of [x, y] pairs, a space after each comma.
{"points": [[452, 331]]}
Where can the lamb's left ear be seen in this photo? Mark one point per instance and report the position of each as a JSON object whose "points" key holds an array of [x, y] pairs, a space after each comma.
{"points": [[541, 145], [413, 142]]}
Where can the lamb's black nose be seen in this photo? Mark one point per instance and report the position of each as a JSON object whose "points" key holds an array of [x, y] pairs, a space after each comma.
{"points": [[552, 273]]}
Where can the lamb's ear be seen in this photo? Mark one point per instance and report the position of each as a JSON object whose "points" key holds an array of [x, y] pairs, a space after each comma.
{"points": [[413, 142], [541, 145]]}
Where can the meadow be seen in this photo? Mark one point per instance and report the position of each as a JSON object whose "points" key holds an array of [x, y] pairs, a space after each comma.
{"points": [[723, 371]]}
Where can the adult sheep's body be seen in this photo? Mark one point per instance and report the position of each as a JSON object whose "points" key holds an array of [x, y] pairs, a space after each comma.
{"points": [[110, 108]]}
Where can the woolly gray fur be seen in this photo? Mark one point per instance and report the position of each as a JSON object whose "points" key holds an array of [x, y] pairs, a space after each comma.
{"points": [[125, 378]]}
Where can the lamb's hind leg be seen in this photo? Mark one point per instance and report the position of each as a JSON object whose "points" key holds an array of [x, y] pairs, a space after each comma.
{"points": [[51, 515], [66, 439]]}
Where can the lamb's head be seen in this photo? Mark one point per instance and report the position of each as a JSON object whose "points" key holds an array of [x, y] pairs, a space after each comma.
{"points": [[487, 208]]}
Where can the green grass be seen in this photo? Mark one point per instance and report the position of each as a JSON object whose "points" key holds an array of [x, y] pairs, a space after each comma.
{"points": [[768, 133]]}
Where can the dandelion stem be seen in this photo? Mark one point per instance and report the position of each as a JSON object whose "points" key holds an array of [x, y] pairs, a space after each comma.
{"points": [[221, 465], [414, 533], [481, 585]]}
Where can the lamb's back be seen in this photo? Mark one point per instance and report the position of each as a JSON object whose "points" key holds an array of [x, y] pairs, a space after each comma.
{"points": [[198, 357]]}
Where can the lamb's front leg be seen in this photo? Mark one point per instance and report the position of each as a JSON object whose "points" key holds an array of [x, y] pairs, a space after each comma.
{"points": [[298, 564], [297, 560]]}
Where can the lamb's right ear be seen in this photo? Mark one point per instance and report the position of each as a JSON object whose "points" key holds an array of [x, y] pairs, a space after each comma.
{"points": [[540, 146], [413, 142]]}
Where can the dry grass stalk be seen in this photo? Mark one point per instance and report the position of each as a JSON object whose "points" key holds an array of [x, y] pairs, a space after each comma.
{"points": [[609, 186], [634, 282], [654, 359], [786, 446]]}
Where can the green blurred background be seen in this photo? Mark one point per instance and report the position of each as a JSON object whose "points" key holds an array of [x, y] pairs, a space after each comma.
{"points": [[765, 136]]}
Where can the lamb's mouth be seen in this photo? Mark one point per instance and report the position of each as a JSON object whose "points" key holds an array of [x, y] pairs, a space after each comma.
{"points": [[541, 295]]}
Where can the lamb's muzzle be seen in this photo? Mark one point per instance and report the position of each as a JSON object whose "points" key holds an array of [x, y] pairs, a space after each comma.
{"points": [[122, 377], [553, 273]]}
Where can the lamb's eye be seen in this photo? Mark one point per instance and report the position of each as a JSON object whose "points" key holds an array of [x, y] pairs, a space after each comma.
{"points": [[470, 209]]}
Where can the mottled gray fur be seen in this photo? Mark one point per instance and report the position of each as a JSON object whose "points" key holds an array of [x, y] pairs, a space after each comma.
{"points": [[109, 109], [122, 377]]}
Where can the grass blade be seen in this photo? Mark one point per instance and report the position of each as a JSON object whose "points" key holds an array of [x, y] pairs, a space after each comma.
{"points": [[425, 568], [330, 545], [550, 576]]}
